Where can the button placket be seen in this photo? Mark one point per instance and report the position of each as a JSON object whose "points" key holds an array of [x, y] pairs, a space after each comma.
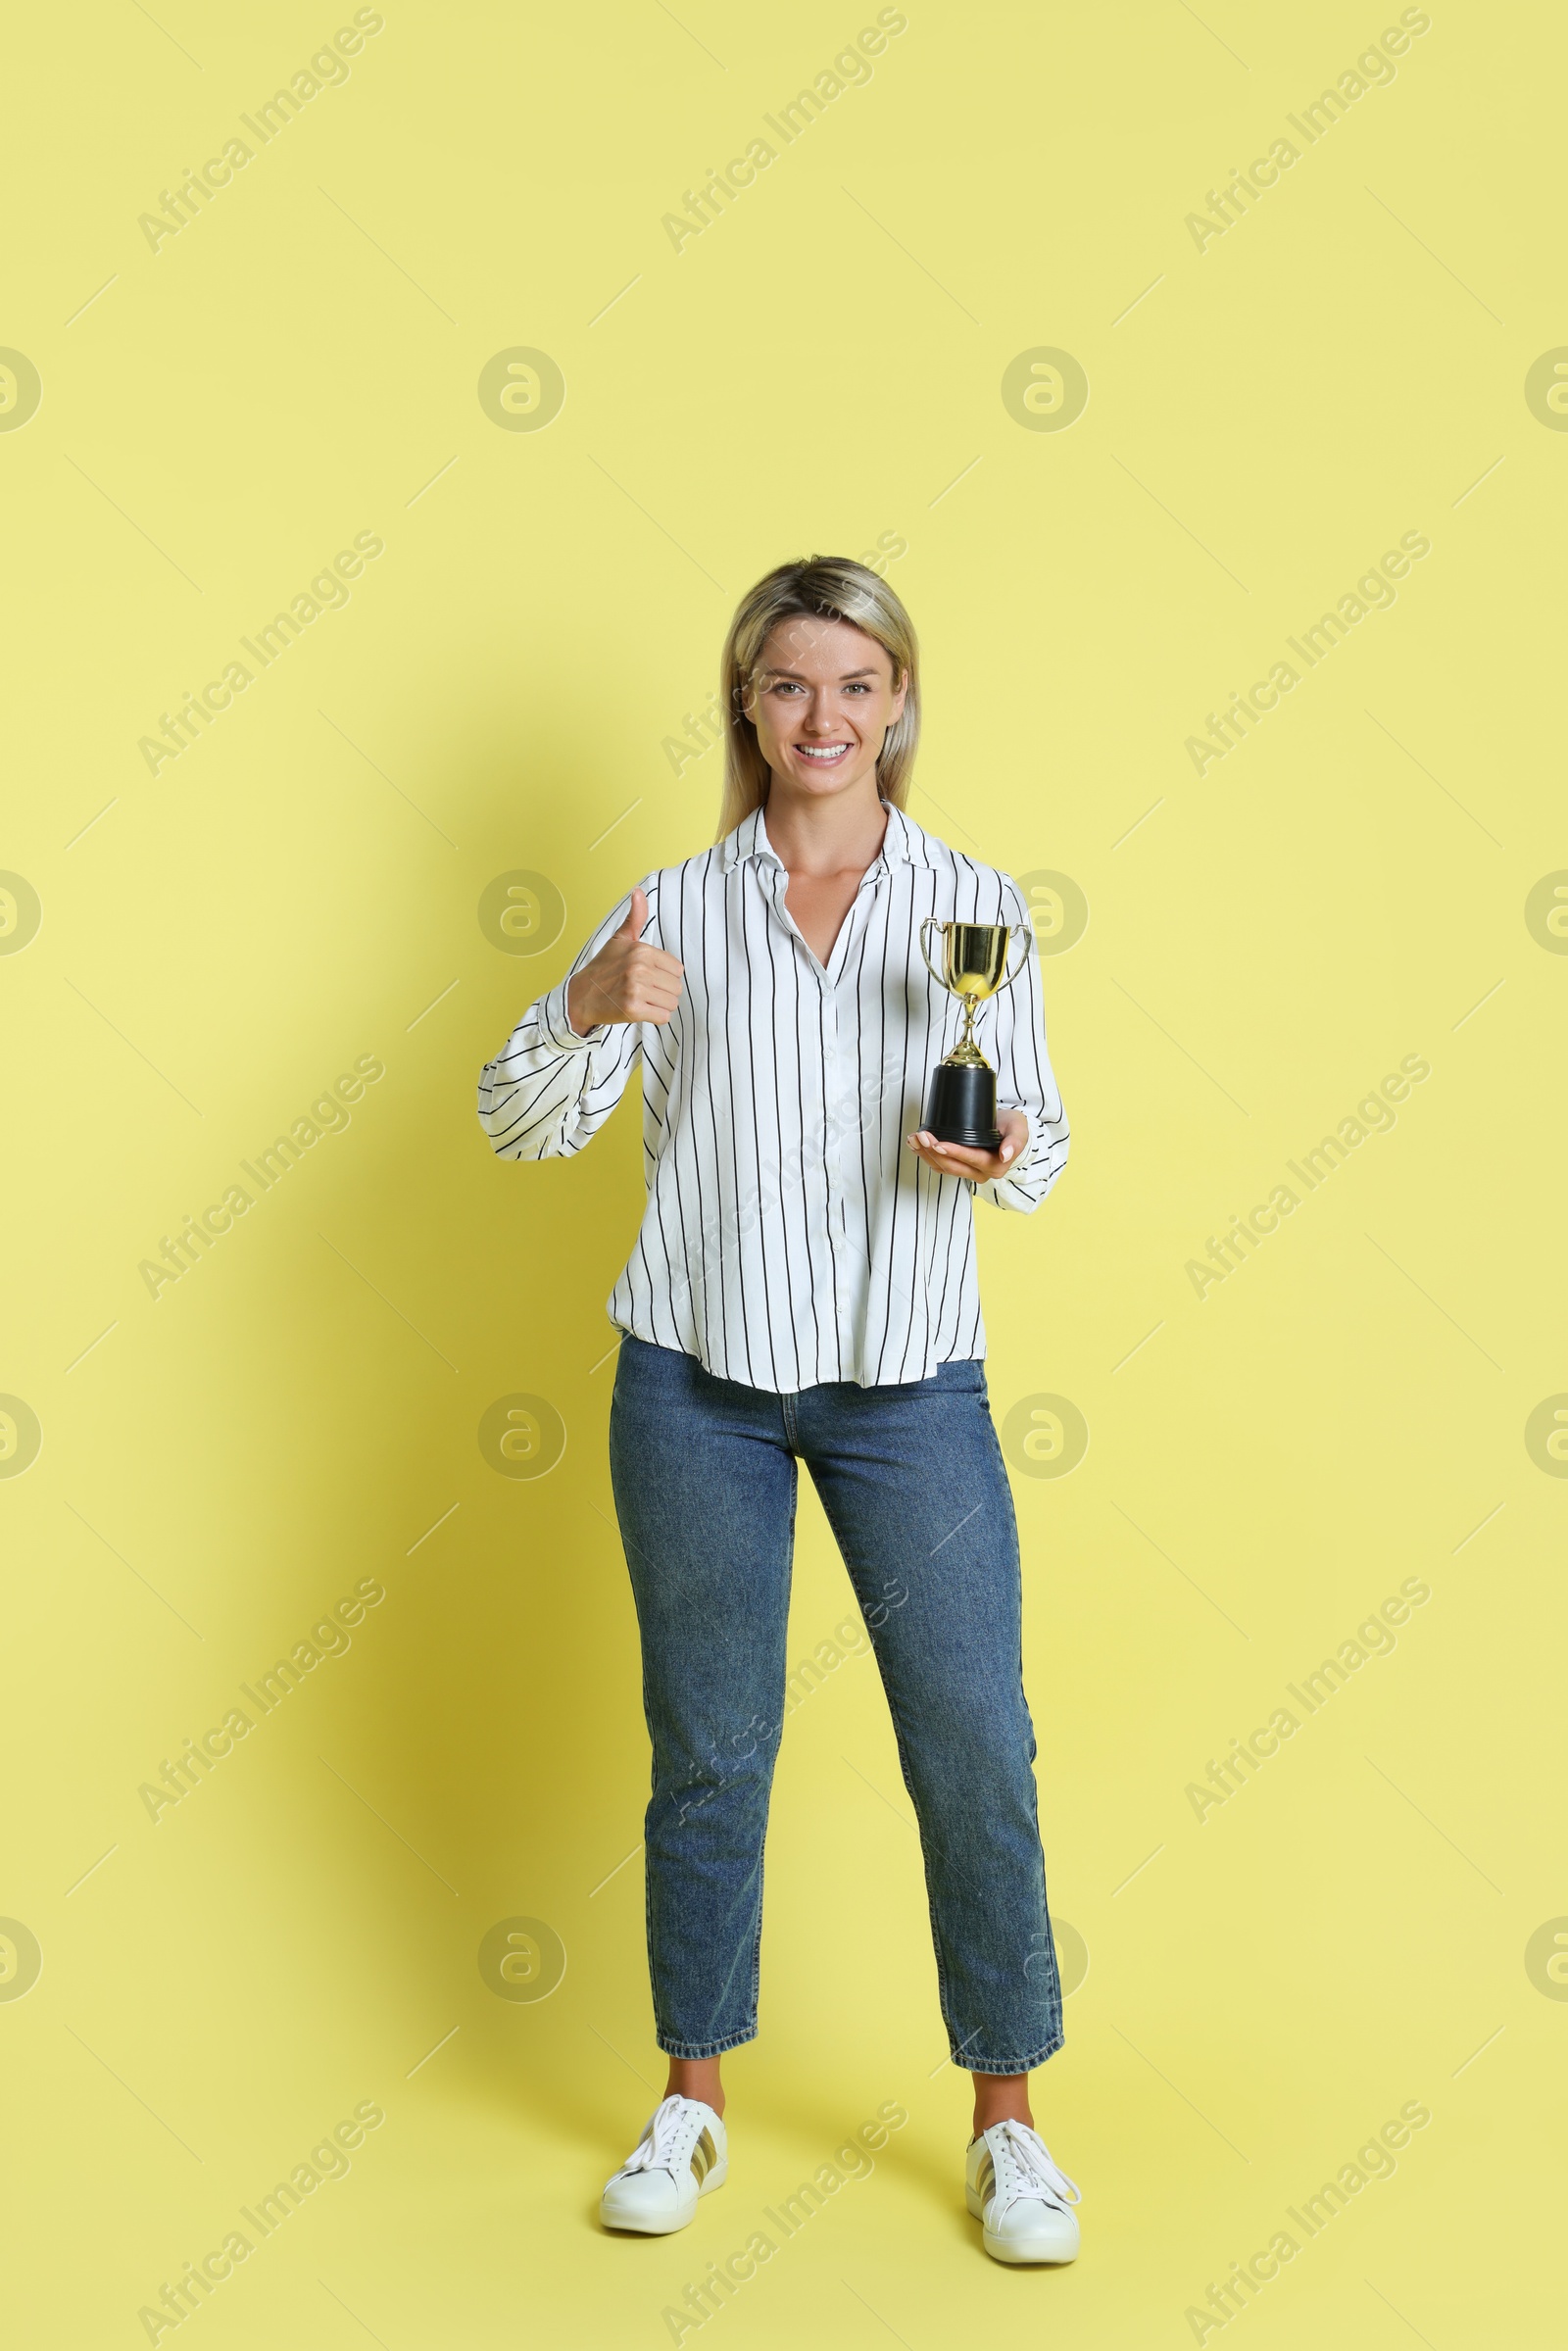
{"points": [[841, 1108], [829, 1183], [834, 1123], [851, 1270]]}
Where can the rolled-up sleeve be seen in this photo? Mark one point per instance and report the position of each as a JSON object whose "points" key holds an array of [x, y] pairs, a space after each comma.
{"points": [[549, 1092], [1024, 1078]]}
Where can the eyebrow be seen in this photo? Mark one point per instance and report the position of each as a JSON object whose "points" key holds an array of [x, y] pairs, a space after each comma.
{"points": [[844, 675]]}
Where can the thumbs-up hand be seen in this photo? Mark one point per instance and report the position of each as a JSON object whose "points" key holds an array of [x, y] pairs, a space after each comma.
{"points": [[627, 980]]}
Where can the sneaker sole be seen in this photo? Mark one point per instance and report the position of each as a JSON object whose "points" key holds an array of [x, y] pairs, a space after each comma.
{"points": [[636, 2224], [1022, 2251]]}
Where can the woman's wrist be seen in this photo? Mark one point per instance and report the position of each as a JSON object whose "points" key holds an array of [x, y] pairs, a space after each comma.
{"points": [[578, 1001]]}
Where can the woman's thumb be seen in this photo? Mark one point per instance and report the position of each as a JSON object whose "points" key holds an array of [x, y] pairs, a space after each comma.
{"points": [[632, 927]]}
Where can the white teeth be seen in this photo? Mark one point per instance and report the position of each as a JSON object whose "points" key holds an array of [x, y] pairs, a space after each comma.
{"points": [[835, 751]]}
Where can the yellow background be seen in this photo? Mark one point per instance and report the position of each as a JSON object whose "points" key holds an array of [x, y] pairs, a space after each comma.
{"points": [[820, 366]]}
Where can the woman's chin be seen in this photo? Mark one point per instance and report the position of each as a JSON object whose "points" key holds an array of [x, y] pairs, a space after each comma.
{"points": [[821, 783]]}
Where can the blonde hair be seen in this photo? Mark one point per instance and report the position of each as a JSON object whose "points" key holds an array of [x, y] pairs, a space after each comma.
{"points": [[824, 587]]}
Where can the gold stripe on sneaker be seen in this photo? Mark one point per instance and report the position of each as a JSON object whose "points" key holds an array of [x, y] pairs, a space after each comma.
{"points": [[703, 2157], [986, 2179]]}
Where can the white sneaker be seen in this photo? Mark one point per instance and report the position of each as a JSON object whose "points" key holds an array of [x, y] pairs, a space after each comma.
{"points": [[1022, 2198], [681, 2155]]}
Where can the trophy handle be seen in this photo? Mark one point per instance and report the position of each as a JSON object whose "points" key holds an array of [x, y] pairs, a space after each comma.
{"points": [[931, 923], [1017, 930]]}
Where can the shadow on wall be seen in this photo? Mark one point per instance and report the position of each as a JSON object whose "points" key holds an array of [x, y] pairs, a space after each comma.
{"points": [[492, 1718]]}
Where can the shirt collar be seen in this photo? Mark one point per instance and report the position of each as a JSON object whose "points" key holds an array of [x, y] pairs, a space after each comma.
{"points": [[904, 843]]}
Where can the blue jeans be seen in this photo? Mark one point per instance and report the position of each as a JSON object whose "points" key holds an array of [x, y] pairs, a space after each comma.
{"points": [[911, 1480]]}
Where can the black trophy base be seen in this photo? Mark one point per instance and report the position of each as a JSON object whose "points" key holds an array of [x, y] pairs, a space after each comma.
{"points": [[961, 1106]]}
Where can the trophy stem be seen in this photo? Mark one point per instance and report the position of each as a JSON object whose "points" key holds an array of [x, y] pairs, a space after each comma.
{"points": [[966, 1054]]}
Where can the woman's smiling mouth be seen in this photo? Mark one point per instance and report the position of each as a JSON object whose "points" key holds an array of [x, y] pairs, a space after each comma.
{"points": [[823, 755]]}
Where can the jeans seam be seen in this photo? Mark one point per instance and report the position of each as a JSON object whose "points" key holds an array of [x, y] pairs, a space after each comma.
{"points": [[1011, 2065], [761, 1855], [688, 2050], [1028, 1716], [653, 1761], [927, 1838], [929, 1843]]}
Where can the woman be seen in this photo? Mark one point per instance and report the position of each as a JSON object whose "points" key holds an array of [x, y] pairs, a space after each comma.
{"points": [[803, 1287]]}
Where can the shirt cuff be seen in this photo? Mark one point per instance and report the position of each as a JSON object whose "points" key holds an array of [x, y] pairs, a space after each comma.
{"points": [[556, 1025], [1030, 1151], [992, 1189]]}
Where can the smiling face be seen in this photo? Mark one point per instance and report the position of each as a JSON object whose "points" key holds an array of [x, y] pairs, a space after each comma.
{"points": [[822, 698]]}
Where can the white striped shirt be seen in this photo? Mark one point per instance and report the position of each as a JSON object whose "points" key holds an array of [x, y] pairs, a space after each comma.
{"points": [[790, 1236]]}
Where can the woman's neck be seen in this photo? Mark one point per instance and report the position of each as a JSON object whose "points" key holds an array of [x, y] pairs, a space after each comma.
{"points": [[824, 836]]}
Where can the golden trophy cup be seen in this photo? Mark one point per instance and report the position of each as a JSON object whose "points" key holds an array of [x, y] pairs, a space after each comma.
{"points": [[960, 1103]]}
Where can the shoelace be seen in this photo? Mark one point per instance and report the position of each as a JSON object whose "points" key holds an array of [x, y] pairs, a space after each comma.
{"points": [[1041, 2173], [657, 2151]]}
